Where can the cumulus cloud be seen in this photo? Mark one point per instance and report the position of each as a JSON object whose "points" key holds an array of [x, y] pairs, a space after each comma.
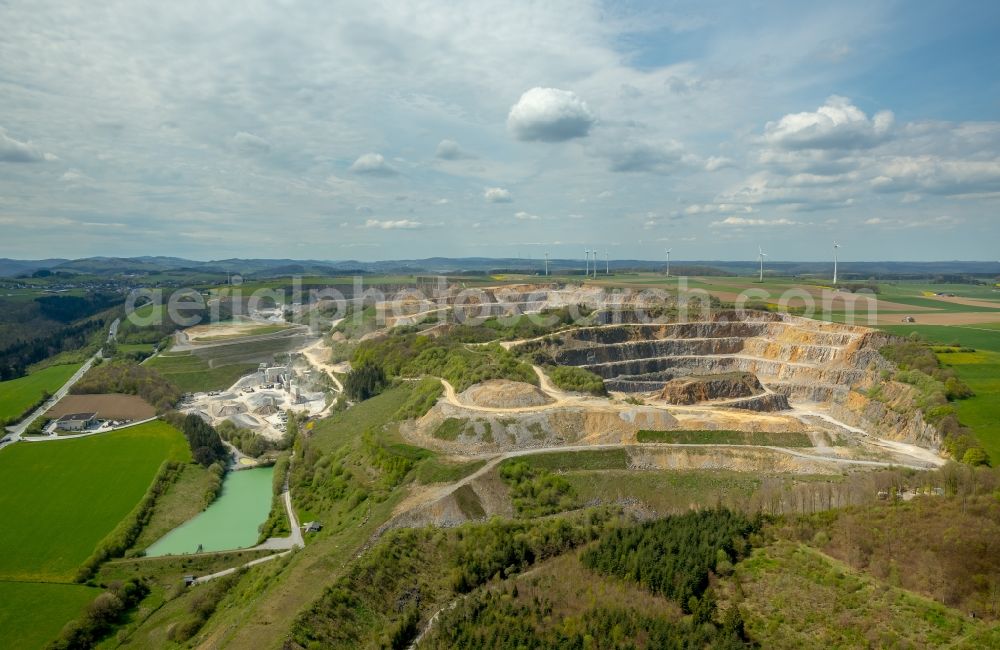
{"points": [[397, 224], [250, 144], [549, 115], [373, 164], [15, 151], [838, 124], [497, 195], [451, 150], [936, 176], [525, 216]]}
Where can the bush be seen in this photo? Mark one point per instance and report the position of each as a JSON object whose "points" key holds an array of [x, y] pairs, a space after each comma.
{"points": [[103, 613], [577, 379], [535, 491]]}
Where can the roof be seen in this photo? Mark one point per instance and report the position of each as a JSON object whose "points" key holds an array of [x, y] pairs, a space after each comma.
{"points": [[77, 417]]}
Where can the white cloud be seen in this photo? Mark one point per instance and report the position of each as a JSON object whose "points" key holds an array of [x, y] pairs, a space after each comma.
{"points": [[451, 150], [525, 216], [248, 143], [838, 124], [398, 224], [15, 151], [373, 164], [549, 115], [497, 195], [743, 221], [715, 163], [933, 175], [635, 155]]}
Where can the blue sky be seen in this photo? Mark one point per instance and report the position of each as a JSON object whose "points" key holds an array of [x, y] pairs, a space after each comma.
{"points": [[400, 130]]}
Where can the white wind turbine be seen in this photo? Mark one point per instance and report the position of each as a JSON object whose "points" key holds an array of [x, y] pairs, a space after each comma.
{"points": [[668, 261], [835, 247], [595, 263], [546, 264], [762, 256], [586, 271]]}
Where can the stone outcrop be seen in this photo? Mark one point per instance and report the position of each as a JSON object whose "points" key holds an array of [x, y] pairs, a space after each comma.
{"points": [[702, 388]]}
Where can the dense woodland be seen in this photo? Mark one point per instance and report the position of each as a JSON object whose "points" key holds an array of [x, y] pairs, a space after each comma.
{"points": [[34, 330]]}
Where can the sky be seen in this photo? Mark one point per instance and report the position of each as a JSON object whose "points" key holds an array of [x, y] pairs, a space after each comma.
{"points": [[376, 131]]}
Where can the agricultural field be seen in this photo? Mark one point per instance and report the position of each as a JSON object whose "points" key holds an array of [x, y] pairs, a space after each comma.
{"points": [[19, 395], [43, 484], [112, 406], [32, 613], [48, 533], [192, 374]]}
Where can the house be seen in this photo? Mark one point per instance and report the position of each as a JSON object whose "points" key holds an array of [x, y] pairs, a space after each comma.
{"points": [[313, 527], [75, 421], [909, 319]]}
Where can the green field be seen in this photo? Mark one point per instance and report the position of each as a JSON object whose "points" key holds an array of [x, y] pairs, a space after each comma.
{"points": [[19, 395], [59, 499], [981, 337], [192, 374], [32, 613], [125, 348]]}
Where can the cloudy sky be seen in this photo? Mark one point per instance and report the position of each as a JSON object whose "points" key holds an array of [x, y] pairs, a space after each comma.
{"points": [[400, 130]]}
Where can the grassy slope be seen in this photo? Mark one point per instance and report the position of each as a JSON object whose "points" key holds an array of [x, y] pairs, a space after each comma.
{"points": [[59, 499], [184, 499], [797, 597], [664, 492], [32, 613], [18, 395], [191, 373]]}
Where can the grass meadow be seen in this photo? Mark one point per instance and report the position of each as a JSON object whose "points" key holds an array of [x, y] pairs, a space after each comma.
{"points": [[33, 613], [19, 395], [59, 499]]}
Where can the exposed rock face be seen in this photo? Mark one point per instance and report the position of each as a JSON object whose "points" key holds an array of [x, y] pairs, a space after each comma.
{"points": [[702, 388], [793, 358]]}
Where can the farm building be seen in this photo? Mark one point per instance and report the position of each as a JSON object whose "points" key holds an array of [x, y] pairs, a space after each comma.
{"points": [[75, 421]]}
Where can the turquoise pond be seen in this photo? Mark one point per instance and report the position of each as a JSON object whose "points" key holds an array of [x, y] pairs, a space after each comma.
{"points": [[231, 522]]}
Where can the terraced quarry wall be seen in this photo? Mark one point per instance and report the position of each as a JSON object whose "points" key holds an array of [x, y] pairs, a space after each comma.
{"points": [[806, 362]]}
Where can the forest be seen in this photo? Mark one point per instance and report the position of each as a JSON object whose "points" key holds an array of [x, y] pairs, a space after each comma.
{"points": [[130, 378]]}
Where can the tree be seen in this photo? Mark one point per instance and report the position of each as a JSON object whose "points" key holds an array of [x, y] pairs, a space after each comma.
{"points": [[975, 456]]}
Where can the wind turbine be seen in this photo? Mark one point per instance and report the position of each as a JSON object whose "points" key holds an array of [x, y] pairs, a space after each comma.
{"points": [[586, 271], [607, 263], [668, 261], [835, 247], [595, 263], [762, 256], [546, 264]]}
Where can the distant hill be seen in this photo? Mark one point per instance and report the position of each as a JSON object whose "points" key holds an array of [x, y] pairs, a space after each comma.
{"points": [[263, 268]]}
